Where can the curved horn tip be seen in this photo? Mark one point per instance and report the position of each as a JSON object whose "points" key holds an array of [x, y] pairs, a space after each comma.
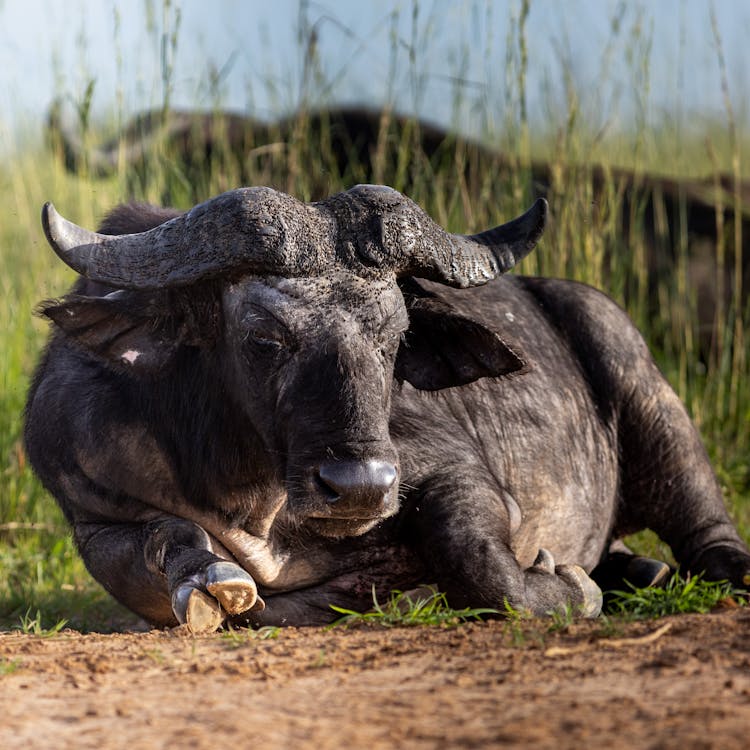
{"points": [[50, 218], [47, 209], [534, 222], [541, 208], [64, 236]]}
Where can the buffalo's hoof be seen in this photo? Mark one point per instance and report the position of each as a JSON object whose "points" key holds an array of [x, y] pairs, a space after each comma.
{"points": [[203, 601], [645, 572], [591, 598], [724, 562], [584, 592], [199, 611], [233, 588]]}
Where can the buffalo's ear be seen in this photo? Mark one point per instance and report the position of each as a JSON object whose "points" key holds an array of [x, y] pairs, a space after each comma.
{"points": [[128, 331], [443, 349]]}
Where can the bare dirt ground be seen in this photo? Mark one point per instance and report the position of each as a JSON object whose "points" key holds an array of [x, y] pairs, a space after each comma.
{"points": [[681, 682]]}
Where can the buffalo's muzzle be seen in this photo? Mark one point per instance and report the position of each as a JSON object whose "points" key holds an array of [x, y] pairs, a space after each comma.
{"points": [[360, 487]]}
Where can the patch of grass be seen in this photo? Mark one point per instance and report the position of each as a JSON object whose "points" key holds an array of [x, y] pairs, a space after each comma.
{"points": [[425, 607], [43, 572], [34, 625], [561, 620], [679, 596], [610, 627], [320, 660], [8, 666], [156, 655], [236, 638], [520, 626]]}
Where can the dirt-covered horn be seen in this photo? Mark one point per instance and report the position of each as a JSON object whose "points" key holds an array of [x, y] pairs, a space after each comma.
{"points": [[414, 245], [370, 230], [245, 230]]}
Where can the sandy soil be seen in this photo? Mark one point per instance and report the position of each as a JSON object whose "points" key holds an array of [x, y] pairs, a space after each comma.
{"points": [[681, 682]]}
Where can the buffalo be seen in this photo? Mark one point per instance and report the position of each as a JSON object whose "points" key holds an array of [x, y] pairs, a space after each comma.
{"points": [[262, 407], [195, 150]]}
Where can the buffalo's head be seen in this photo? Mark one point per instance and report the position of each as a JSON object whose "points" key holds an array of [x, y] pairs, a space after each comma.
{"points": [[309, 314]]}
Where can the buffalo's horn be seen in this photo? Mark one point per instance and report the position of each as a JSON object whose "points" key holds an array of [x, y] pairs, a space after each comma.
{"points": [[242, 229], [471, 260], [259, 230], [413, 244]]}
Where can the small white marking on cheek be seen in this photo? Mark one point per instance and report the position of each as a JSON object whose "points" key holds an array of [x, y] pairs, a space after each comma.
{"points": [[509, 316], [130, 356]]}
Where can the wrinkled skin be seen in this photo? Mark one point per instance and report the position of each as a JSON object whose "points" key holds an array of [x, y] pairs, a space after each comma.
{"points": [[179, 429]]}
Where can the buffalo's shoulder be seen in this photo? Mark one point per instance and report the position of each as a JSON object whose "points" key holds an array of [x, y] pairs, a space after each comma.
{"points": [[587, 317], [601, 335]]}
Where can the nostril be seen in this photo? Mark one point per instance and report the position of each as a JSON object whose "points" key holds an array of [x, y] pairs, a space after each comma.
{"points": [[357, 481], [327, 488]]}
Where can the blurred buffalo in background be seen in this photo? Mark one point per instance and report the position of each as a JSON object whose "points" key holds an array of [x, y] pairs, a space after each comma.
{"points": [[653, 223]]}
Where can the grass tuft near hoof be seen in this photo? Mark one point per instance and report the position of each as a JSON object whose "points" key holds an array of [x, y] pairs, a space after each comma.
{"points": [[678, 596], [424, 606]]}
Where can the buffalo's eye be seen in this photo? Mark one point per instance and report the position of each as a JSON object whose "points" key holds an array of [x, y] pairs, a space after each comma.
{"points": [[265, 339], [265, 332]]}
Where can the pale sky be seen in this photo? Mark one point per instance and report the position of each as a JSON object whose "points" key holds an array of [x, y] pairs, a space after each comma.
{"points": [[54, 47]]}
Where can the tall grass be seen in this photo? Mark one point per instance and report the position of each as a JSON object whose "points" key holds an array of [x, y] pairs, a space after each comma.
{"points": [[39, 569]]}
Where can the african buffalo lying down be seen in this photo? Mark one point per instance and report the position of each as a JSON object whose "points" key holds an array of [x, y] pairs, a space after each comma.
{"points": [[261, 407]]}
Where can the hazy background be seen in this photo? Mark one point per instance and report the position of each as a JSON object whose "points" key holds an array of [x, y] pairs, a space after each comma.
{"points": [[439, 59]]}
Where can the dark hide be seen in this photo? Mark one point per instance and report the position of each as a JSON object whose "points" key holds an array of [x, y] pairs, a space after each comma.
{"points": [[263, 421]]}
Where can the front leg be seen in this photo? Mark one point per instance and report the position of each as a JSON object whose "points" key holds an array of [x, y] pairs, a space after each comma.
{"points": [[373, 565], [166, 571], [464, 539]]}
